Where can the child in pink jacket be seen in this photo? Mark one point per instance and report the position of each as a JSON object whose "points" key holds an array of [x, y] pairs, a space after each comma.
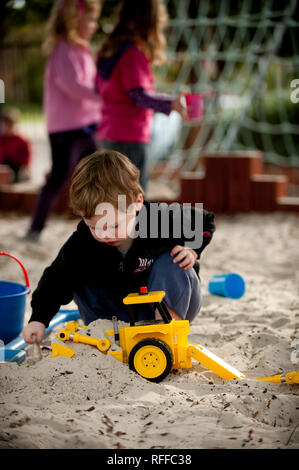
{"points": [[70, 101]]}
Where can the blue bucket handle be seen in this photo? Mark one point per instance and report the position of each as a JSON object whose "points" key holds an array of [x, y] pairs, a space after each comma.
{"points": [[23, 269]]}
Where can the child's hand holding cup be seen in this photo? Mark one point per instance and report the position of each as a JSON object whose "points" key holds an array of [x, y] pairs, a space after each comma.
{"points": [[179, 105], [189, 106], [195, 105]]}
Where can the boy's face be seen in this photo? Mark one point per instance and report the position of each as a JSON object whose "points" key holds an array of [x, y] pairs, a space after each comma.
{"points": [[114, 226]]}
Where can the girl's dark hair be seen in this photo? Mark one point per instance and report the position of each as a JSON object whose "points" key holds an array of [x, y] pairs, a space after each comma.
{"points": [[143, 22]]}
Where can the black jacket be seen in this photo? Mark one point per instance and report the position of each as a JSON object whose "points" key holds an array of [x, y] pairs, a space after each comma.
{"points": [[82, 259]]}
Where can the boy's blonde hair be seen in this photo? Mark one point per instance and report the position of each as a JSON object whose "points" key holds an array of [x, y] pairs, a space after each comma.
{"points": [[63, 21], [139, 20], [102, 177]]}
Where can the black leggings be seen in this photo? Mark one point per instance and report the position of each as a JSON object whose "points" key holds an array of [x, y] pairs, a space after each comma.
{"points": [[67, 149]]}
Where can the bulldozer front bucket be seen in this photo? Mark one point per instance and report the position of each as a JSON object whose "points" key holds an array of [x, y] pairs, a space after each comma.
{"points": [[214, 363]]}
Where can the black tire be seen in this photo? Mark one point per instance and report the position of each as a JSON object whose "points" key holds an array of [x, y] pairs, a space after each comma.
{"points": [[163, 359]]}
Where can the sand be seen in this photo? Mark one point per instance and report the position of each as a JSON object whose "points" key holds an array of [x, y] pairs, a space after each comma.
{"points": [[93, 401]]}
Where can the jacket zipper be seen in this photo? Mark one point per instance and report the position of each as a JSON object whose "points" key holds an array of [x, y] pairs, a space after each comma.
{"points": [[121, 267]]}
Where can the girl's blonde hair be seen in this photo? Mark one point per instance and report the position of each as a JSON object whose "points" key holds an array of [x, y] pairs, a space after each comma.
{"points": [[102, 177], [143, 20], [63, 21]]}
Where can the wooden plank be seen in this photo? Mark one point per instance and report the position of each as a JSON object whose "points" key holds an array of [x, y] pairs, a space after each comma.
{"points": [[9, 201], [265, 191], [18, 200], [192, 187], [217, 171], [288, 204], [241, 169]]}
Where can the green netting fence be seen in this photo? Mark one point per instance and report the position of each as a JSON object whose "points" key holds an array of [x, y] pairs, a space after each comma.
{"points": [[245, 50], [248, 53]]}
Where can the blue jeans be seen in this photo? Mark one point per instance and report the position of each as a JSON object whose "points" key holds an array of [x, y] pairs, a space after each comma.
{"points": [[182, 288]]}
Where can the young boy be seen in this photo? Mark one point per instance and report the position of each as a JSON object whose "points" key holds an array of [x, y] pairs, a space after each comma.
{"points": [[118, 247]]}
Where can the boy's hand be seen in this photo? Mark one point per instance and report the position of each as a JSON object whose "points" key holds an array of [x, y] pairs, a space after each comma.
{"points": [[186, 254], [34, 332]]}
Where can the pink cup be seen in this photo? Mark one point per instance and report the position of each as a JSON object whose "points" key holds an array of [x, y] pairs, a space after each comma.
{"points": [[194, 102]]}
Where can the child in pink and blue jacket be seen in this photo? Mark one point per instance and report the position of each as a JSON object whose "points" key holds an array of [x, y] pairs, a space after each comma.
{"points": [[126, 83]]}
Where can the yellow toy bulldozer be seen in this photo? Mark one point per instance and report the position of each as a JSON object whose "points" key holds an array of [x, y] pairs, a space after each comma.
{"points": [[153, 349]]}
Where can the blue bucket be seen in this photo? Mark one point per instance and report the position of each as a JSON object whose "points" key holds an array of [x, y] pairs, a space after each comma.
{"points": [[230, 285], [12, 306]]}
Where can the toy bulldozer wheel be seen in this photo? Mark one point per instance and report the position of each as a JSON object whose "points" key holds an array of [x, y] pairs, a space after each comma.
{"points": [[152, 359]]}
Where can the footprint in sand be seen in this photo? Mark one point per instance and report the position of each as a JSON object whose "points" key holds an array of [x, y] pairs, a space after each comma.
{"points": [[263, 339], [279, 323]]}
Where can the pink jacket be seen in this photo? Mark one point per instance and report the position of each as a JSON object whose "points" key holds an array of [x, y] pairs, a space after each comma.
{"points": [[121, 120], [70, 101]]}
